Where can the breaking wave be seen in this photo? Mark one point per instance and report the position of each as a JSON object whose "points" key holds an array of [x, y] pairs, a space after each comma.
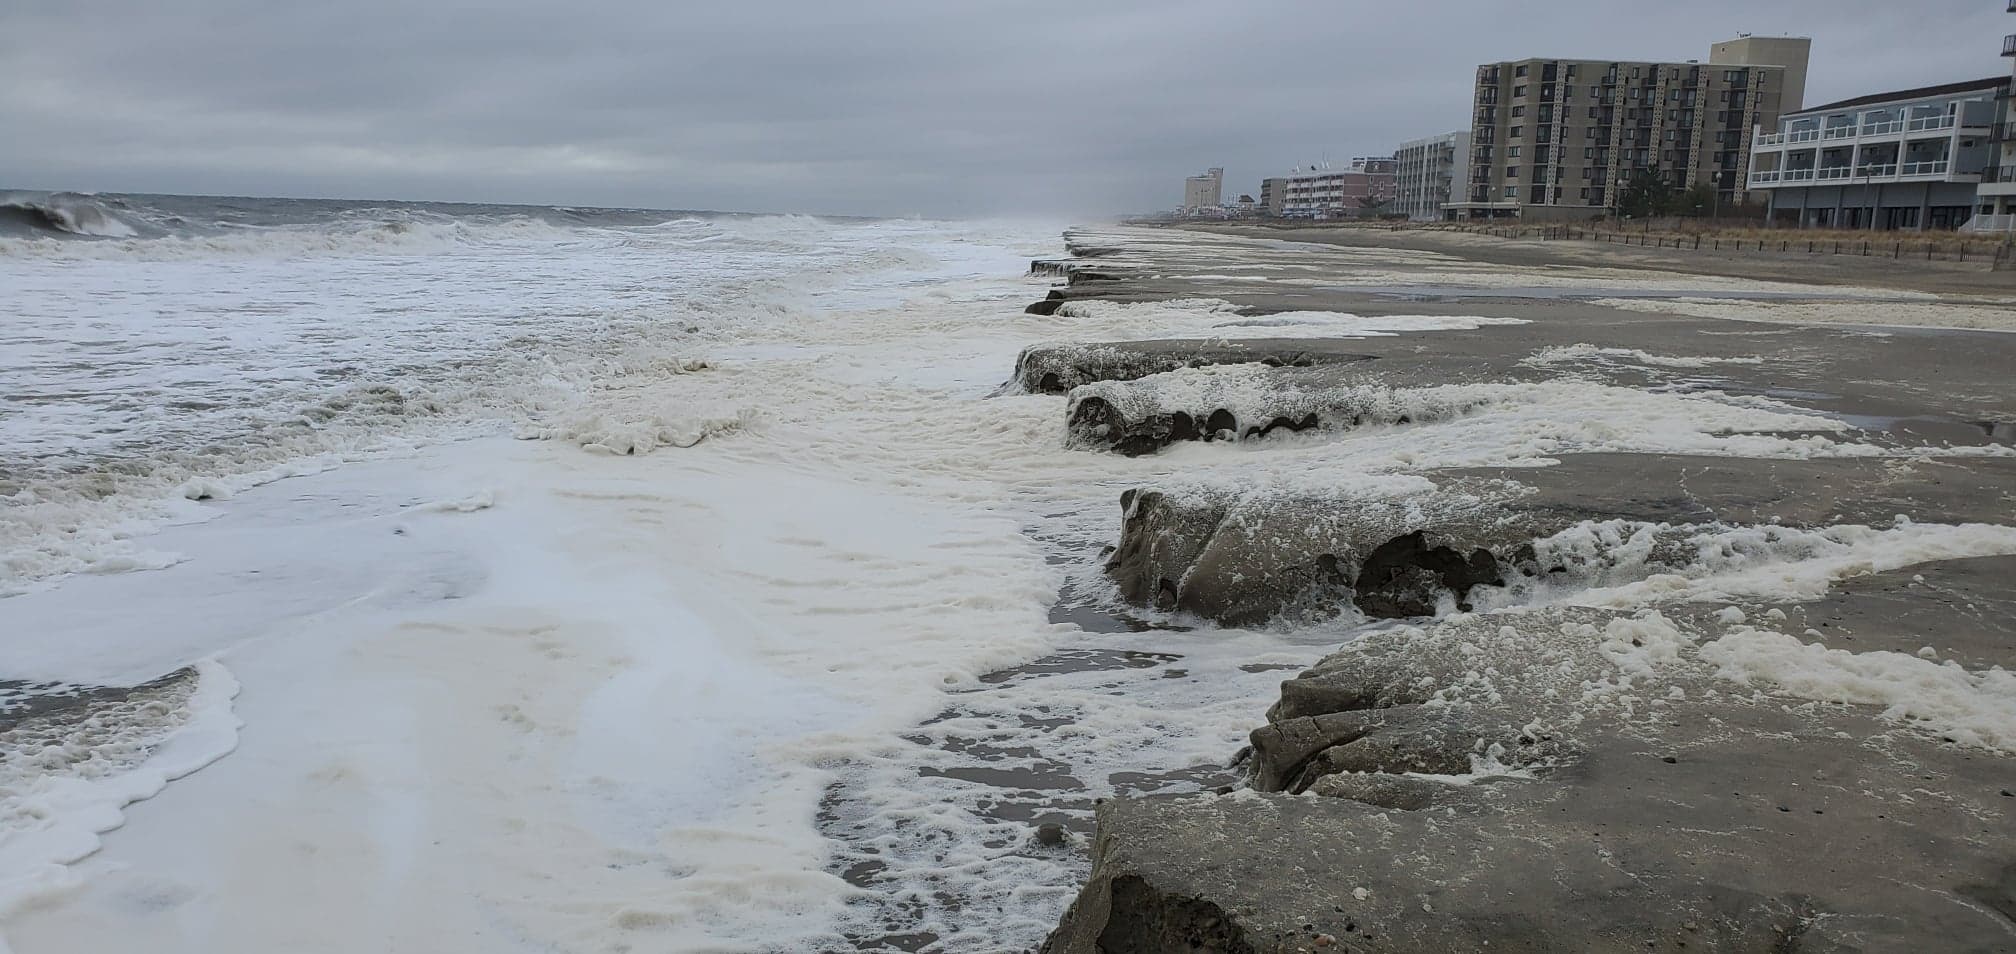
{"points": [[79, 226], [62, 213]]}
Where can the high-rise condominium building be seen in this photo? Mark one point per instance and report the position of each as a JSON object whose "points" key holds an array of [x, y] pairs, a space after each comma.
{"points": [[1996, 196], [1562, 139]]}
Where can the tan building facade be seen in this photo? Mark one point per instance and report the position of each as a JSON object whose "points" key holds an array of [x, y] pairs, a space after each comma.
{"points": [[1273, 195], [1560, 140], [1790, 52], [1206, 191]]}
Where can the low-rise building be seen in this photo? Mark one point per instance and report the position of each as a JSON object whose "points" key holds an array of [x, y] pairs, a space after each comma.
{"points": [[1364, 187], [1205, 191], [1906, 159], [1429, 173]]}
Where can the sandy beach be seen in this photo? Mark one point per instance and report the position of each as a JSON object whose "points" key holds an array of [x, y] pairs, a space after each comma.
{"points": [[1667, 671]]}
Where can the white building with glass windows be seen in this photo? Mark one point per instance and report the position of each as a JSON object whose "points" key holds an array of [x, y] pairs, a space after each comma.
{"points": [[1429, 172], [1996, 199], [1909, 159]]}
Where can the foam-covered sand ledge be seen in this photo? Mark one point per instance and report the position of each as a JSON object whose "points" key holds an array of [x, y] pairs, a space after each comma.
{"points": [[1713, 650]]}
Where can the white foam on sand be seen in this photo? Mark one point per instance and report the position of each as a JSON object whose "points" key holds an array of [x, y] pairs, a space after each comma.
{"points": [[1971, 707], [67, 780], [1211, 318], [1967, 316], [1588, 352]]}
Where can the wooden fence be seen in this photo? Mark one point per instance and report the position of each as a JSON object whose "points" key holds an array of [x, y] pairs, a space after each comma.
{"points": [[1994, 252]]}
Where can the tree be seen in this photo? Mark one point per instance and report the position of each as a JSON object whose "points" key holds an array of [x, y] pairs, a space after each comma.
{"points": [[1648, 194], [1698, 200], [1372, 205]]}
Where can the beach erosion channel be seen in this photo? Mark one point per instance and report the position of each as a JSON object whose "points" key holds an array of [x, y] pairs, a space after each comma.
{"points": [[1241, 594]]}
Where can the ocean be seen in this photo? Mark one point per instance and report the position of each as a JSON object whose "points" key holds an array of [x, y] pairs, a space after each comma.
{"points": [[410, 576], [520, 578]]}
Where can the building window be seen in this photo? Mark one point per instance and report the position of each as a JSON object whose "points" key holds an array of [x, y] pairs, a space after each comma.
{"points": [[1519, 71], [1518, 110], [1518, 91], [1570, 72], [1589, 152], [1511, 192], [1511, 152], [1517, 132], [1588, 132], [1511, 172]]}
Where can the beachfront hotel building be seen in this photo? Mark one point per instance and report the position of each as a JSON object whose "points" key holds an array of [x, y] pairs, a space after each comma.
{"points": [[1556, 139], [1908, 159], [1206, 191], [1428, 173], [1366, 186]]}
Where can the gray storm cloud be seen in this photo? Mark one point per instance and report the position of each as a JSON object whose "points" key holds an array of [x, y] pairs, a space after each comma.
{"points": [[905, 107]]}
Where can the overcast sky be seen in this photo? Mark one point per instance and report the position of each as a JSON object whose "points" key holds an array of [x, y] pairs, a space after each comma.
{"points": [[935, 107]]}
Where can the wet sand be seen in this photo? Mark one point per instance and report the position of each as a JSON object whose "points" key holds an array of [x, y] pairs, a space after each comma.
{"points": [[1723, 813], [1935, 277]]}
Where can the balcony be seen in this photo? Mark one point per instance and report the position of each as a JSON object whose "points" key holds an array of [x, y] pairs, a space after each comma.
{"points": [[1832, 172], [1999, 173], [1929, 123], [1839, 132], [1933, 168], [1763, 178], [1876, 171], [1883, 128]]}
